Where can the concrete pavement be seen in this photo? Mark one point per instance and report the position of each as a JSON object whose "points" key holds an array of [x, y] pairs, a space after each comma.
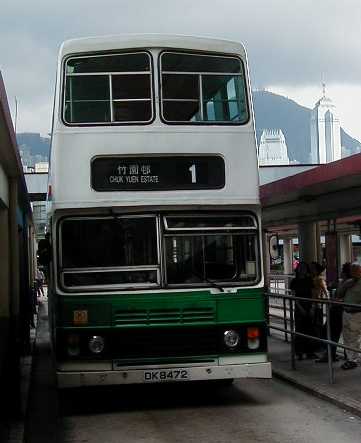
{"points": [[312, 377]]}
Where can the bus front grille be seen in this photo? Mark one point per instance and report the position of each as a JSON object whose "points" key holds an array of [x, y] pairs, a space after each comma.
{"points": [[180, 316], [165, 342]]}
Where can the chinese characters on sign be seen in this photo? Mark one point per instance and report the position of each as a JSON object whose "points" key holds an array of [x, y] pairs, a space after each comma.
{"points": [[133, 173]]}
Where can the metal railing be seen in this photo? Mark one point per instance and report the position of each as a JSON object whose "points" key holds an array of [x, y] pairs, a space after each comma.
{"points": [[287, 306], [277, 307]]}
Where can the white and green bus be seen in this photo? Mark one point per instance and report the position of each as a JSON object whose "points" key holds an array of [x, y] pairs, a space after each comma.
{"points": [[156, 270]]}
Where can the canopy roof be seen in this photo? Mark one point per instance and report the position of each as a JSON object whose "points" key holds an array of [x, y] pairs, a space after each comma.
{"points": [[328, 192]]}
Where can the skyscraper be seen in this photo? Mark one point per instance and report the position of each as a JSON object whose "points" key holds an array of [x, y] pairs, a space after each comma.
{"points": [[325, 131], [273, 148]]}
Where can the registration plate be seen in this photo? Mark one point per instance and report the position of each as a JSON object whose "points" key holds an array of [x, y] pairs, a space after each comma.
{"points": [[166, 375]]}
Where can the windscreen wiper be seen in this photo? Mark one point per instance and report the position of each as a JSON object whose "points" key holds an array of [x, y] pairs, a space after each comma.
{"points": [[212, 283]]}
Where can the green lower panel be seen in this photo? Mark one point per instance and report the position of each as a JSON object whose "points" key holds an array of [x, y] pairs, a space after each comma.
{"points": [[162, 310], [240, 310]]}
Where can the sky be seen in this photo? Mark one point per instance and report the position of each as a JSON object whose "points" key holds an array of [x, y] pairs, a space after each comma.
{"points": [[292, 45]]}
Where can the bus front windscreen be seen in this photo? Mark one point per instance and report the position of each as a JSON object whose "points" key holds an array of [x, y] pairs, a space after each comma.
{"points": [[224, 258], [113, 252], [125, 252]]}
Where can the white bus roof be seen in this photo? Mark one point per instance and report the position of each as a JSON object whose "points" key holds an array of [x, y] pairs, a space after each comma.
{"points": [[129, 41]]}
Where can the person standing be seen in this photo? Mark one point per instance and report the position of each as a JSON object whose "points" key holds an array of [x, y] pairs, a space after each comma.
{"points": [[336, 313], [301, 286], [352, 319], [319, 291]]}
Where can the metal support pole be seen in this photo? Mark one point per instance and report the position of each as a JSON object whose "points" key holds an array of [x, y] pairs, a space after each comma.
{"points": [[292, 328], [285, 319], [329, 346]]}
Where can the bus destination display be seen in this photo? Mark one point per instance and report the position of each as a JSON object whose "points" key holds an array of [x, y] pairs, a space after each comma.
{"points": [[157, 173]]}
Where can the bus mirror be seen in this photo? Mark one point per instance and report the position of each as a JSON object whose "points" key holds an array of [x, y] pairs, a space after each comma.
{"points": [[44, 252], [274, 247]]}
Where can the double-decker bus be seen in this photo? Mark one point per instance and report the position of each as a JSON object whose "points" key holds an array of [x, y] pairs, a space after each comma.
{"points": [[156, 271]]}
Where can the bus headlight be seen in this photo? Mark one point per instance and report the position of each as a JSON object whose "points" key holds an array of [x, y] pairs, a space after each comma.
{"points": [[231, 338], [96, 344], [73, 345]]}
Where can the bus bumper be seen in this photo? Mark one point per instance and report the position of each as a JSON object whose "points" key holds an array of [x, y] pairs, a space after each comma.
{"points": [[162, 374]]}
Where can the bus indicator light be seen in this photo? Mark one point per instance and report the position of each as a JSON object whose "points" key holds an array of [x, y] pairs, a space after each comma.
{"points": [[253, 335], [73, 345], [80, 317]]}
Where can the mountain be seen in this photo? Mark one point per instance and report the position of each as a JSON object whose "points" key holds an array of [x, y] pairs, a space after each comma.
{"points": [[33, 148], [274, 111], [38, 145]]}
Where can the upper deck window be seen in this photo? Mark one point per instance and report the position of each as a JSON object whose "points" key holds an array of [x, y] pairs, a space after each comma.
{"points": [[199, 88], [108, 89]]}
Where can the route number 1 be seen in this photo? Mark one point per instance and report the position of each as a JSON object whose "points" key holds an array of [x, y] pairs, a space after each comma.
{"points": [[192, 170]]}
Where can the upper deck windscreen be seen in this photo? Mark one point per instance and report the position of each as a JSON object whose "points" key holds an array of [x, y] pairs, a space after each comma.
{"points": [[200, 88], [108, 89]]}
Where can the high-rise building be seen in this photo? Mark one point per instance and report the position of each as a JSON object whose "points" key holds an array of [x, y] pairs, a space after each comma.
{"points": [[41, 167], [325, 131], [273, 148]]}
